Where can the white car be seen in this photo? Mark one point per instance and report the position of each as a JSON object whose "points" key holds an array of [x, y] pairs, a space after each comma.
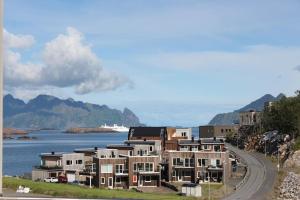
{"points": [[51, 180]]}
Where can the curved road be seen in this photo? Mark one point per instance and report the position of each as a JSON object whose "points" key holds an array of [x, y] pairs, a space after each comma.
{"points": [[260, 180]]}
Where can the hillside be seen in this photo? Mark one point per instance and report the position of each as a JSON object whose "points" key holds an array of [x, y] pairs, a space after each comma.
{"points": [[233, 117], [46, 111]]}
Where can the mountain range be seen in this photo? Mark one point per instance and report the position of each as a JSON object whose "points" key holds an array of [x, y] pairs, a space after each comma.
{"points": [[45, 111], [233, 117]]}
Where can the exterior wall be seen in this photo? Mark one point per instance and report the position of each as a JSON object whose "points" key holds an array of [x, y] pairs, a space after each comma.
{"points": [[211, 147], [135, 175], [40, 174], [218, 131], [171, 132], [100, 174], [171, 145], [77, 160], [250, 118], [206, 131], [189, 173], [51, 161], [107, 153], [185, 133]]}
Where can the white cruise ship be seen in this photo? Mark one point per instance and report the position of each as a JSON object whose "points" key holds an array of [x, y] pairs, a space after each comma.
{"points": [[115, 127]]}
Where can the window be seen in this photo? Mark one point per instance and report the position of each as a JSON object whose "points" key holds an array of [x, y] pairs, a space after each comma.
{"points": [[107, 168], [148, 167], [43, 162], [102, 180], [130, 153], [217, 148], [187, 173], [194, 148], [151, 148], [134, 179], [119, 169], [140, 167], [206, 147], [202, 162], [183, 134], [187, 162], [118, 179], [198, 174], [147, 178], [174, 173], [69, 162], [58, 162], [78, 162], [178, 161], [218, 162]]}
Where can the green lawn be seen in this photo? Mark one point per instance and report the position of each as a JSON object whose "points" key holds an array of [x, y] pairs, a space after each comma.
{"points": [[66, 190]]}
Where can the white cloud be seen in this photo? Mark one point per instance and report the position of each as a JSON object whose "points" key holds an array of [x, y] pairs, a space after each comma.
{"points": [[17, 41], [258, 57], [17, 73], [66, 62]]}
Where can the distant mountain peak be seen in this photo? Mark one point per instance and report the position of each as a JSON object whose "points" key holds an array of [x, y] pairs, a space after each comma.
{"points": [[233, 117], [46, 111]]}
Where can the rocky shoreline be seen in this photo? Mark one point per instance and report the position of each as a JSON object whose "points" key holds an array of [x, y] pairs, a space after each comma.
{"points": [[79, 130]]}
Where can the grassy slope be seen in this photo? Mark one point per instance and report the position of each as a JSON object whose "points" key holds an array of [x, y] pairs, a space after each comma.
{"points": [[66, 190]]}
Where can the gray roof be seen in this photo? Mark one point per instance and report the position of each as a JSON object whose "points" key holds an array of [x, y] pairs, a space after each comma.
{"points": [[212, 141], [147, 131], [188, 142]]}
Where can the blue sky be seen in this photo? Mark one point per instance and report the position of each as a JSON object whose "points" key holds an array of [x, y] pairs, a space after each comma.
{"points": [[171, 62]]}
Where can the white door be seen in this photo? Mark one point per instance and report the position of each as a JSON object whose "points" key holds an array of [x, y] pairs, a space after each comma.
{"points": [[141, 180], [110, 182], [71, 178], [179, 175]]}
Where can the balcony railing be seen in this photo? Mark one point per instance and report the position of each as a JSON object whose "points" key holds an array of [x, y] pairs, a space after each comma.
{"points": [[47, 167]]}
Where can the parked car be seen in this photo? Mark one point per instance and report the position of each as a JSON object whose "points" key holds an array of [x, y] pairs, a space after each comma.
{"points": [[51, 180], [62, 179]]}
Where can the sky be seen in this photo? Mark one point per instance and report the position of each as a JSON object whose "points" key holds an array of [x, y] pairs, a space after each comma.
{"points": [[171, 62]]}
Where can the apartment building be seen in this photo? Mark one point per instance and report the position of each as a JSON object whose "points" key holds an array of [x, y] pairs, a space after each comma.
{"points": [[198, 160], [149, 155], [51, 166], [55, 164], [126, 171]]}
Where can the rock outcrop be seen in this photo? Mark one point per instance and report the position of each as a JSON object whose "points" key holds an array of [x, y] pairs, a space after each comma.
{"points": [[293, 160], [290, 187]]}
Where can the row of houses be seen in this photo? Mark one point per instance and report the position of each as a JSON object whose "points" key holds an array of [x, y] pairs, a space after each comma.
{"points": [[149, 156]]}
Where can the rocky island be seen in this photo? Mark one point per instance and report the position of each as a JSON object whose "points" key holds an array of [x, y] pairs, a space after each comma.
{"points": [[79, 130]]}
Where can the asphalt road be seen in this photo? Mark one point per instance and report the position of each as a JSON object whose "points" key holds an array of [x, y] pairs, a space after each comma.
{"points": [[260, 181]]}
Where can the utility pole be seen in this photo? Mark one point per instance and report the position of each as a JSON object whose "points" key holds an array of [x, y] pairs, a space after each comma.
{"points": [[224, 177], [278, 159], [209, 185], [1, 94]]}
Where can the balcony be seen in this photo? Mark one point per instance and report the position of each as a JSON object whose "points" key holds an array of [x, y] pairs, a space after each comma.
{"points": [[48, 167], [122, 172]]}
